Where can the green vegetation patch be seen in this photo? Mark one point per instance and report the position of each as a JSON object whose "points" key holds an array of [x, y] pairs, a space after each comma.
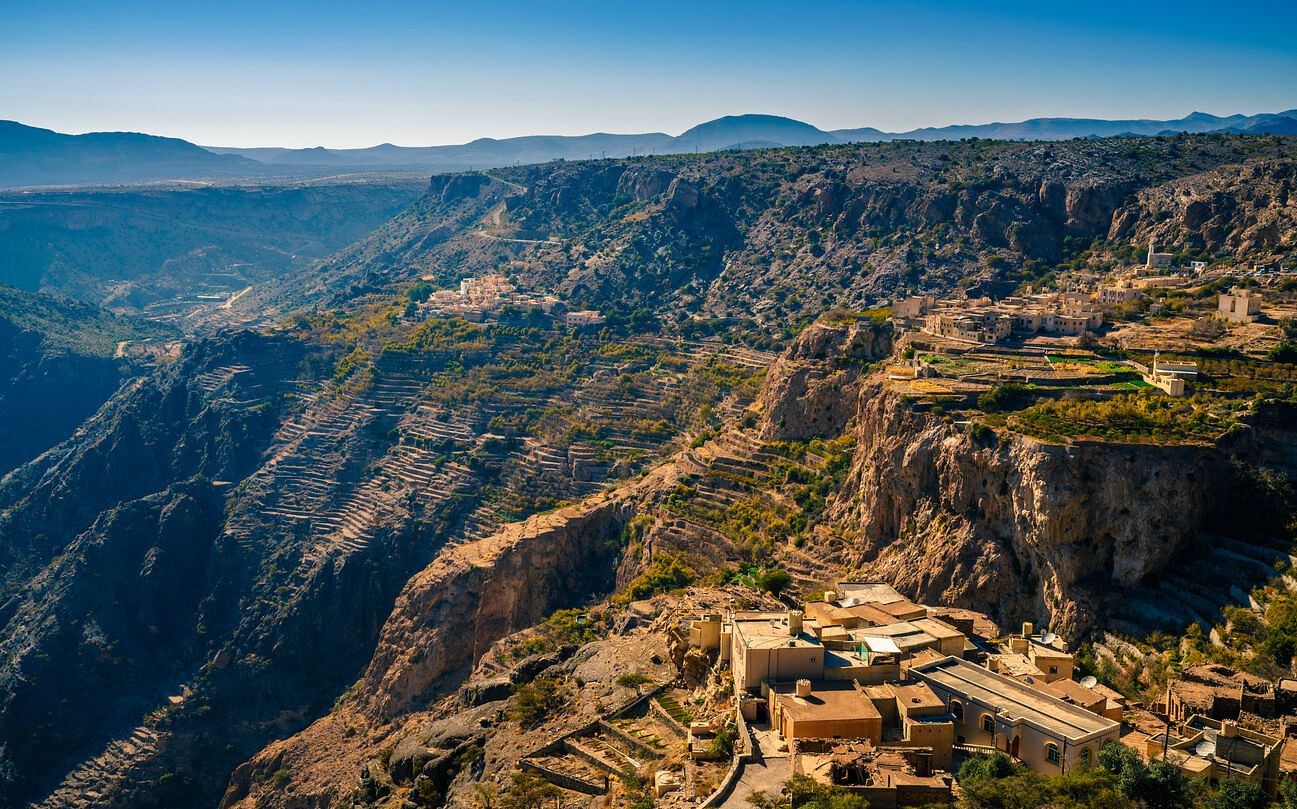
{"points": [[1126, 418]]}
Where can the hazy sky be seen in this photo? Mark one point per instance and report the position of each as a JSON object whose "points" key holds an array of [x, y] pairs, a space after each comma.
{"points": [[289, 73]]}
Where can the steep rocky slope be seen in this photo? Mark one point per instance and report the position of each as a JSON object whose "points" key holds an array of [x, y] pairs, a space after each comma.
{"points": [[132, 248], [1071, 536], [59, 361], [1238, 209], [210, 560], [775, 235]]}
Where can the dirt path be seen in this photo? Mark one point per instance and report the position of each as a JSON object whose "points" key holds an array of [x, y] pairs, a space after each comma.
{"points": [[230, 301], [766, 774]]}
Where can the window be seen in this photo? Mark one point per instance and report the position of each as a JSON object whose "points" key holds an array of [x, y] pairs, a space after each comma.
{"points": [[1053, 669], [1051, 754], [988, 723], [957, 709], [1085, 757]]}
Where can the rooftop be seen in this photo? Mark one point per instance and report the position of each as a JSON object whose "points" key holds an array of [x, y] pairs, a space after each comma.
{"points": [[872, 592], [1016, 700], [768, 630], [828, 700]]}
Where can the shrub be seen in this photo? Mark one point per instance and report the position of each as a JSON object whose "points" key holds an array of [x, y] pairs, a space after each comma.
{"points": [[775, 580], [1285, 352], [538, 700], [667, 572], [528, 791], [1009, 396], [633, 679]]}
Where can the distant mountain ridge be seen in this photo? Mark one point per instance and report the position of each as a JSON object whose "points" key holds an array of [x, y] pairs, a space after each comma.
{"points": [[750, 131], [31, 157]]}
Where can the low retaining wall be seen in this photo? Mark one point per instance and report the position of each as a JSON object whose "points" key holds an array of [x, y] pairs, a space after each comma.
{"points": [[561, 779], [732, 775], [626, 738], [671, 722]]}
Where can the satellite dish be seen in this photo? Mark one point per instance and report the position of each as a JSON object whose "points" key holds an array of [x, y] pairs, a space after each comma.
{"points": [[1090, 682], [1205, 748], [1048, 638]]}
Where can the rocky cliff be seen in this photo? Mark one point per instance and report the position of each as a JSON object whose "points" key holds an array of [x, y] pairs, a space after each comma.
{"points": [[1001, 522], [768, 236], [1014, 526]]}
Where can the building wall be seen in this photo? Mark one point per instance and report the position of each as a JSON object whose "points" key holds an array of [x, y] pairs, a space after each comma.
{"points": [[940, 736], [780, 664], [831, 728]]}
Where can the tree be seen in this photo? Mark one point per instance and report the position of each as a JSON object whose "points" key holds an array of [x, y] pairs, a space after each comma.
{"points": [[805, 792], [1234, 793], [1009, 396], [1285, 351], [1157, 785], [536, 701], [775, 580]]}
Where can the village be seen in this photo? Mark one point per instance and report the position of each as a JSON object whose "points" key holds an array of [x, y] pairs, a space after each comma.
{"points": [[1135, 328], [489, 296], [861, 689]]}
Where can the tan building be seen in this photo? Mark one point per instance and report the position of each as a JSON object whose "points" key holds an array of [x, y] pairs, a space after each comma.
{"points": [[585, 318], [1156, 260], [1220, 749], [911, 636], [913, 307], [891, 714], [824, 710], [774, 647], [1044, 732], [1097, 700], [1117, 295], [1239, 306], [1042, 654]]}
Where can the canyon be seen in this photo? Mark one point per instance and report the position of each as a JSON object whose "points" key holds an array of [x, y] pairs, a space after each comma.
{"points": [[237, 570]]}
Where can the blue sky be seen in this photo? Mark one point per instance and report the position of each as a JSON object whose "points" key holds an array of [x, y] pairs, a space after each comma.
{"points": [[289, 73]]}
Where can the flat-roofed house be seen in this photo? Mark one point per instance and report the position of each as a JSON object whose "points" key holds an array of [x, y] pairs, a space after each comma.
{"points": [[774, 646], [911, 636], [1044, 732], [824, 710], [1218, 749], [1156, 260], [1239, 306]]}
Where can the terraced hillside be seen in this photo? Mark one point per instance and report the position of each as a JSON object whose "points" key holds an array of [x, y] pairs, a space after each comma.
{"points": [[300, 478]]}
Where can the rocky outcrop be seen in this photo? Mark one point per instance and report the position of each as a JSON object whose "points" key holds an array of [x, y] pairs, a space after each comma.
{"points": [[811, 389], [1013, 526], [452, 611], [446, 618], [1239, 209]]}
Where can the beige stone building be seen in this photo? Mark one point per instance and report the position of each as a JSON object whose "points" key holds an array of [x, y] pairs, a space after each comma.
{"points": [[1156, 260], [774, 647], [823, 710], [1219, 749], [1044, 732], [1239, 306]]}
